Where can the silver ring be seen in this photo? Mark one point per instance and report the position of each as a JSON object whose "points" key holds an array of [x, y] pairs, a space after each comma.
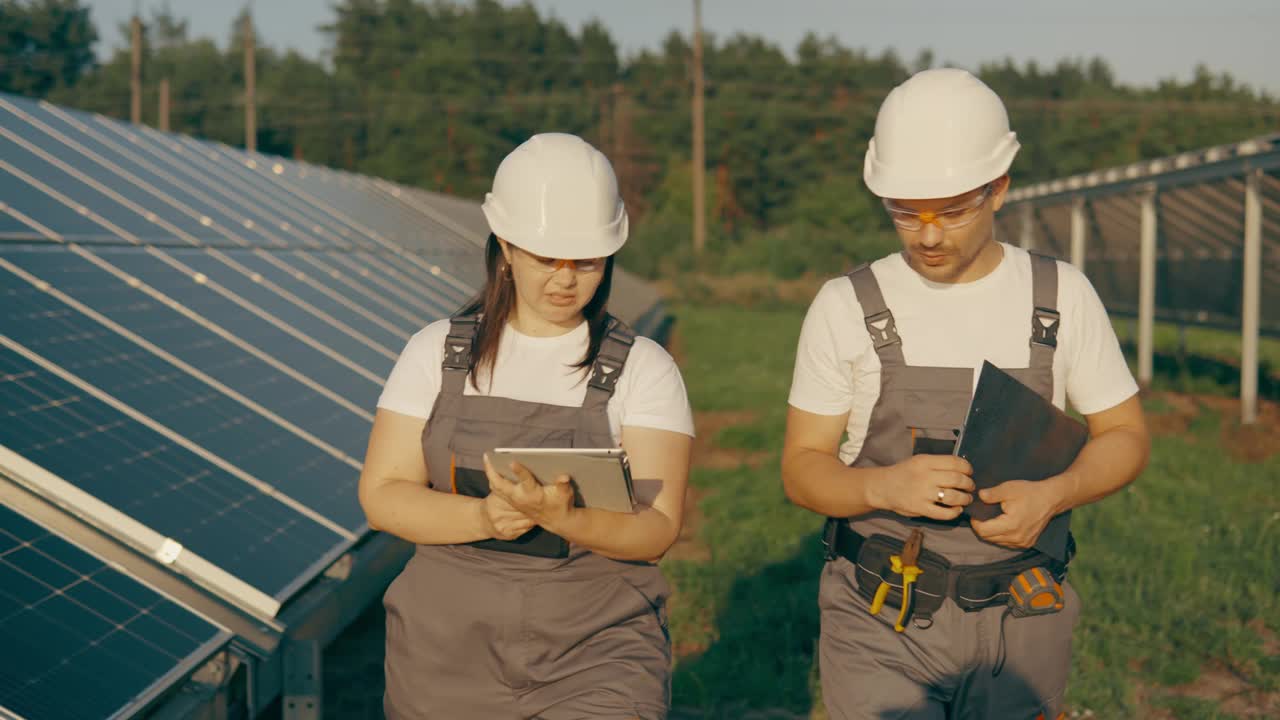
{"points": [[941, 494]]}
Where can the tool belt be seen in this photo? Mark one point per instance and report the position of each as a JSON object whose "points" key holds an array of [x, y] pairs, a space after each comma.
{"points": [[971, 587]]}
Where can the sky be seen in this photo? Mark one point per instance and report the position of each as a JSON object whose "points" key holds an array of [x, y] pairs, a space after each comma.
{"points": [[1143, 40]]}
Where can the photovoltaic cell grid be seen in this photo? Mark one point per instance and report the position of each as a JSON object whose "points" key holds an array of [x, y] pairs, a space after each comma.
{"points": [[285, 394], [169, 394], [122, 462], [79, 639], [196, 337]]}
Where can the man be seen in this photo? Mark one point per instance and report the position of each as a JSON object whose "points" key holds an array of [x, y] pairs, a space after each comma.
{"points": [[888, 355]]}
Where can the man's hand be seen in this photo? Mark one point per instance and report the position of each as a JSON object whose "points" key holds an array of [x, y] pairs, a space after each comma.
{"points": [[932, 486], [1026, 508]]}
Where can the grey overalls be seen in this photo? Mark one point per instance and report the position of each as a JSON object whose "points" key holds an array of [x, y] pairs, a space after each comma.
{"points": [[948, 663], [535, 627]]}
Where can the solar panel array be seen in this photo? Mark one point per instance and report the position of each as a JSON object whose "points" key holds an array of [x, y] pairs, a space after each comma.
{"points": [[1200, 205], [192, 341]]}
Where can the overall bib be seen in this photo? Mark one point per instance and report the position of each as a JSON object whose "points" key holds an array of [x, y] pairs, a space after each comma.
{"points": [[949, 663], [535, 627]]}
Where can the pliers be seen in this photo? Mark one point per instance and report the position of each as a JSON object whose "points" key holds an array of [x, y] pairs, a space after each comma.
{"points": [[905, 566]]}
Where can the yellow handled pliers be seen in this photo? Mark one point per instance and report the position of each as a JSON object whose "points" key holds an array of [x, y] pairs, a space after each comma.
{"points": [[905, 566]]}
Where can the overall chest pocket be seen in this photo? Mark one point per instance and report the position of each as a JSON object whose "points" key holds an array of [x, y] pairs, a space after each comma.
{"points": [[931, 405]]}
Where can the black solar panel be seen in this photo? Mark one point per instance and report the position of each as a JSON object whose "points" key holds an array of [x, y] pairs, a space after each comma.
{"points": [[367, 354], [147, 209], [308, 226], [80, 639], [324, 220], [178, 400], [46, 210], [330, 369], [324, 296], [11, 228], [380, 296], [196, 345], [176, 197], [410, 291], [166, 487], [24, 157], [367, 203], [192, 342]]}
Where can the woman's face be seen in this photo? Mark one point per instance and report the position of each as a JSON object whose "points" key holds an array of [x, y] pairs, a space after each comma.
{"points": [[551, 290]]}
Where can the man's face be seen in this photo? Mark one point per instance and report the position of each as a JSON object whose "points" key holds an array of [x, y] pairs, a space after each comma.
{"points": [[948, 240]]}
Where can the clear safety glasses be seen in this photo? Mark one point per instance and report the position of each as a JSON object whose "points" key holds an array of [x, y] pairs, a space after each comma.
{"points": [[949, 218], [550, 265]]}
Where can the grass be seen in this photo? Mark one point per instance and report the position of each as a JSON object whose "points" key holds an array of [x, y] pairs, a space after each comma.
{"points": [[1201, 360], [748, 612], [1179, 573]]}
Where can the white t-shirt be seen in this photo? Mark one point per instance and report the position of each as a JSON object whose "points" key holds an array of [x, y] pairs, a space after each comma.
{"points": [[649, 394], [954, 325]]}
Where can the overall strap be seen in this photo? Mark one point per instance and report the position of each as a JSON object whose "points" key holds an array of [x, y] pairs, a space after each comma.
{"points": [[605, 371], [603, 380], [1045, 319], [877, 317], [457, 353]]}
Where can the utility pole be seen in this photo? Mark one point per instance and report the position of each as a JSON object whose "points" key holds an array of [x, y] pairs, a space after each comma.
{"points": [[618, 133], [250, 83], [135, 73], [699, 145], [164, 105]]}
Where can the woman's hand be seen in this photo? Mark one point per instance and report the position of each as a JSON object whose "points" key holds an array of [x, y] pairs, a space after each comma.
{"points": [[502, 521], [545, 505]]}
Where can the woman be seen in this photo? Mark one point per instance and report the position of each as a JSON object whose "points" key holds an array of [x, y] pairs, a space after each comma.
{"points": [[518, 604]]}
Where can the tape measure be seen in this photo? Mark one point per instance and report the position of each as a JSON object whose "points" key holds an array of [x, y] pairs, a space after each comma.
{"points": [[1035, 592]]}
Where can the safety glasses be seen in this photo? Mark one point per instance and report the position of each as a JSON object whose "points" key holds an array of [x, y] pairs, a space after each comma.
{"points": [[550, 265], [949, 218]]}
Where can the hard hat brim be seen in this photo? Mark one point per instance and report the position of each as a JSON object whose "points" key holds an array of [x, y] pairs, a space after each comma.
{"points": [[603, 242], [950, 182]]}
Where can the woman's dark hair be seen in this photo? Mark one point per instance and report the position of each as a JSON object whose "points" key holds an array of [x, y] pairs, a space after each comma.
{"points": [[497, 299]]}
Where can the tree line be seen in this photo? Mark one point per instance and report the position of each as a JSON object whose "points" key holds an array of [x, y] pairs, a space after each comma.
{"points": [[435, 93]]}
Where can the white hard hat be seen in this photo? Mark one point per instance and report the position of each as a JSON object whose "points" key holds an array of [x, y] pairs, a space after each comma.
{"points": [[939, 134], [555, 195]]}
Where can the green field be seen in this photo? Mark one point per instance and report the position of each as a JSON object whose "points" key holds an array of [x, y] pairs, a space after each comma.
{"points": [[1179, 573]]}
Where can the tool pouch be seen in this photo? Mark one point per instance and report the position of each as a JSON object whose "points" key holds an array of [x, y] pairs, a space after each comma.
{"points": [[873, 566]]}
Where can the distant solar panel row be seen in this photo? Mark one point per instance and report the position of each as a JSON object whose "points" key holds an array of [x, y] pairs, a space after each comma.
{"points": [[192, 341], [1199, 248]]}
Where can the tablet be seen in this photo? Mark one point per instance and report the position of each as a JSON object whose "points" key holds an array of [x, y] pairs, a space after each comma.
{"points": [[601, 476]]}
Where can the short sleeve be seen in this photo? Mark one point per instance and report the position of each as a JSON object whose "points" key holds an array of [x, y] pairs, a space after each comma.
{"points": [[655, 395], [823, 380], [414, 382]]}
